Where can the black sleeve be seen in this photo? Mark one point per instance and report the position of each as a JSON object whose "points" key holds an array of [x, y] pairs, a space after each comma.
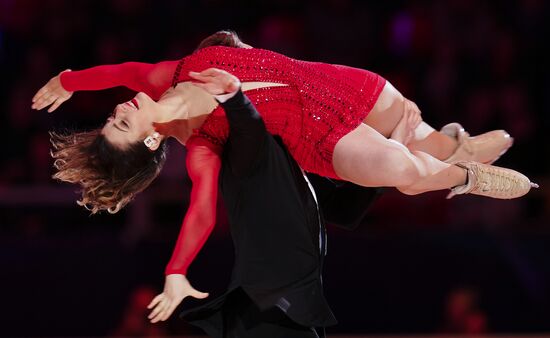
{"points": [[247, 134], [342, 203]]}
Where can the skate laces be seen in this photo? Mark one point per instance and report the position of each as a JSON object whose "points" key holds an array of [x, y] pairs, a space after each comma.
{"points": [[504, 182], [491, 181], [498, 182]]}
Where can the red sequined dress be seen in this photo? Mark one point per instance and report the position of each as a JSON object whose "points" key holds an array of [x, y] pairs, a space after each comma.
{"points": [[321, 103]]}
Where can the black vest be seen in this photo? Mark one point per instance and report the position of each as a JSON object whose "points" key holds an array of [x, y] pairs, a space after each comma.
{"points": [[275, 227]]}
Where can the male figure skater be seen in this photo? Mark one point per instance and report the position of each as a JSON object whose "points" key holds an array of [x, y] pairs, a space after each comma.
{"points": [[275, 288], [277, 229]]}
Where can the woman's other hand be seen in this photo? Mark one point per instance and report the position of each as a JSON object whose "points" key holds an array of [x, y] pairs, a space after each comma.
{"points": [[52, 94], [405, 130], [176, 288], [216, 81]]}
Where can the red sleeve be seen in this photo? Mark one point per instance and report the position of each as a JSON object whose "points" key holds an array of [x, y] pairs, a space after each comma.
{"points": [[203, 165], [153, 79]]}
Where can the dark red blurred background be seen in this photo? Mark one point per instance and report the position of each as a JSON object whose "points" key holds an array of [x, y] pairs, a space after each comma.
{"points": [[418, 264]]}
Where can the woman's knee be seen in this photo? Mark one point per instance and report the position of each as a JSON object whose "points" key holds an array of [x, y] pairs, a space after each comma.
{"points": [[408, 175], [404, 168]]}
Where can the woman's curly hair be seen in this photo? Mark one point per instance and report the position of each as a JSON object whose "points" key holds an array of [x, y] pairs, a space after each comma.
{"points": [[109, 177]]}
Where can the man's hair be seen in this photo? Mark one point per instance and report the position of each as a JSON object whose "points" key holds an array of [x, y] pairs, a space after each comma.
{"points": [[226, 38]]}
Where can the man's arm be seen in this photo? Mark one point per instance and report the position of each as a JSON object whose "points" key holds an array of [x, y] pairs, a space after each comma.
{"points": [[247, 131], [247, 134]]}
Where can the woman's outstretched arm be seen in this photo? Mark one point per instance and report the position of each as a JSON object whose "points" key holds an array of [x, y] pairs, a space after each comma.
{"points": [[203, 166], [153, 79]]}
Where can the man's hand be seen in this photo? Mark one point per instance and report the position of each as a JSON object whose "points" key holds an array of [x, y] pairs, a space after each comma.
{"points": [[176, 288], [52, 94], [216, 81]]}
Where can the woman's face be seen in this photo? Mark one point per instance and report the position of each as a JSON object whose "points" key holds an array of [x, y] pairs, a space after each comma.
{"points": [[131, 121]]}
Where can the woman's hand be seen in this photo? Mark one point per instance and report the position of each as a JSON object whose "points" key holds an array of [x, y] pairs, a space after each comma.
{"points": [[216, 81], [405, 129], [176, 288], [52, 94]]}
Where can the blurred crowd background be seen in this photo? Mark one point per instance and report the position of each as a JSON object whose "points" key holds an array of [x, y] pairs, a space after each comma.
{"points": [[419, 264]]}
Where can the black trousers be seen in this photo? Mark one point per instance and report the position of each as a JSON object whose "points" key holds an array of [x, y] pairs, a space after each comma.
{"points": [[243, 319]]}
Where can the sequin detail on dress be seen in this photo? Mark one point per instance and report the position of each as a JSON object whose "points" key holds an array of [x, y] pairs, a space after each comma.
{"points": [[320, 105]]}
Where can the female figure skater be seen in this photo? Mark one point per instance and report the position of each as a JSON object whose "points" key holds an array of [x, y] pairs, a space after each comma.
{"points": [[333, 119], [320, 111]]}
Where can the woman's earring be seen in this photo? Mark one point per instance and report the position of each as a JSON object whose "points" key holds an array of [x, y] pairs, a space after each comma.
{"points": [[151, 140]]}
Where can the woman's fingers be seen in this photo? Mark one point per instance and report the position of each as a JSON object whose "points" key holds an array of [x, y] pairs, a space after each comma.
{"points": [[157, 317], [44, 101], [413, 117], [49, 100], [52, 92], [154, 314], [56, 104], [155, 301], [412, 113], [168, 306], [39, 93], [48, 89], [164, 313], [417, 119], [39, 100]]}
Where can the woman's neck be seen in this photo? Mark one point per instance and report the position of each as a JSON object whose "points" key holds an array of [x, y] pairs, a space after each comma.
{"points": [[188, 101], [184, 102]]}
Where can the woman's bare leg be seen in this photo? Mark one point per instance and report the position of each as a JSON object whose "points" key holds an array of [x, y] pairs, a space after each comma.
{"points": [[388, 111], [367, 158], [436, 144]]}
